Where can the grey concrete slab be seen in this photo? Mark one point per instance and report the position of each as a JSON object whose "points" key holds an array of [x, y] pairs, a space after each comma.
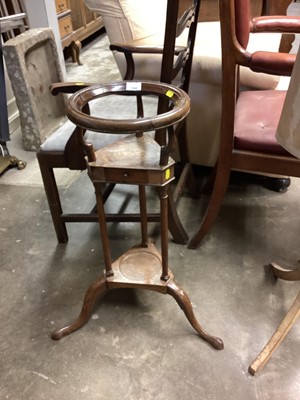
{"points": [[138, 345]]}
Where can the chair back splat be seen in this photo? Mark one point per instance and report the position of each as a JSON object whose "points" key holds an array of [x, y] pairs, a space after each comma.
{"points": [[249, 118], [176, 65]]}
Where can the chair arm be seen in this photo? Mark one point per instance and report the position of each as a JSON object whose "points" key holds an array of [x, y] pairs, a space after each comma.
{"points": [[139, 47], [272, 63], [276, 23], [136, 48], [275, 63], [67, 87]]}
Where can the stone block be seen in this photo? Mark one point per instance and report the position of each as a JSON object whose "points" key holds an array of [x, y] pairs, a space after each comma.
{"points": [[33, 65]]}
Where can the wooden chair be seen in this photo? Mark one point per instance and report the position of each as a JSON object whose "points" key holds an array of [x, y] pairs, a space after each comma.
{"points": [[249, 118], [287, 135], [70, 155], [137, 160], [287, 323]]}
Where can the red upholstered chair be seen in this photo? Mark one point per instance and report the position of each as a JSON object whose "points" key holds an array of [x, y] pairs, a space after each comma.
{"points": [[249, 118]]}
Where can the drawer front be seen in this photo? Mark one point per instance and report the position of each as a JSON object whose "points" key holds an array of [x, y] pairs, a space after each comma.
{"points": [[132, 176], [61, 5], [65, 26]]}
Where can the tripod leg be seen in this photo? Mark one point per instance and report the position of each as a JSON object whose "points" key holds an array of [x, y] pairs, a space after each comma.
{"points": [[184, 302], [95, 291], [285, 273]]}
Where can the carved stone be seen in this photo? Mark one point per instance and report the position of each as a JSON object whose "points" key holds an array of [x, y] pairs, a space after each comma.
{"points": [[33, 65]]}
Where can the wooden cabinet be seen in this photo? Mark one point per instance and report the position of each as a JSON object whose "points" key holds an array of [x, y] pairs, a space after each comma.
{"points": [[76, 22], [67, 34]]}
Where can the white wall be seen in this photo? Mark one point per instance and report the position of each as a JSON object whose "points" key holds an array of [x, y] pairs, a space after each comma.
{"points": [[42, 13]]}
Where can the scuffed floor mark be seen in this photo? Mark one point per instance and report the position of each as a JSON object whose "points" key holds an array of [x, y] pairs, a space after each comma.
{"points": [[192, 384], [44, 377]]}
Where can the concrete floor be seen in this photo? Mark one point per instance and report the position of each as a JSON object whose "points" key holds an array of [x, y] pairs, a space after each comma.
{"points": [[138, 344]]}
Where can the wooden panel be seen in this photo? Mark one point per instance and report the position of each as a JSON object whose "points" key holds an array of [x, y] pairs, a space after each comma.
{"points": [[77, 17], [85, 22], [90, 16]]}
